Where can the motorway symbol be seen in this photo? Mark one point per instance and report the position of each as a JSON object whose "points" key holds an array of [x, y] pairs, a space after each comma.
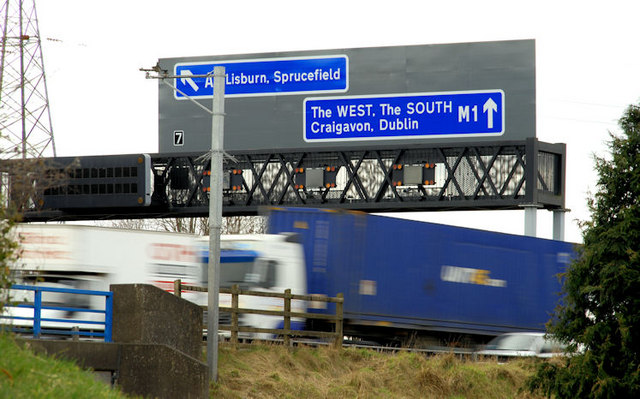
{"points": [[265, 77], [395, 116]]}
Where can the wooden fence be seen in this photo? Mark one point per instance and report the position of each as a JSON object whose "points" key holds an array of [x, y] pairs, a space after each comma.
{"points": [[286, 332]]}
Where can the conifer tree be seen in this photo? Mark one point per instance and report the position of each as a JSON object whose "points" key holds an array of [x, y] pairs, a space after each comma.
{"points": [[600, 310]]}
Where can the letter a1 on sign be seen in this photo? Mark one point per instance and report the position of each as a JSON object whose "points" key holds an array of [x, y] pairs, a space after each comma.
{"points": [[178, 138]]}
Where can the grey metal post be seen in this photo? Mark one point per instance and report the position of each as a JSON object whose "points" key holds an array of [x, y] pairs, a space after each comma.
{"points": [[558, 224], [530, 219], [215, 203], [215, 220]]}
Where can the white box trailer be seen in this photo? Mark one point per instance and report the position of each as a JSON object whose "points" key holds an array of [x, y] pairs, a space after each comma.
{"points": [[93, 258]]}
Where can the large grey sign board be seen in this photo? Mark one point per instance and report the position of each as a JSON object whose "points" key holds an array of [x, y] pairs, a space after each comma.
{"points": [[355, 98]]}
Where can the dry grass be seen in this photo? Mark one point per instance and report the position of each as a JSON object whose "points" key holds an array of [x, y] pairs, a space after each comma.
{"points": [[274, 372]]}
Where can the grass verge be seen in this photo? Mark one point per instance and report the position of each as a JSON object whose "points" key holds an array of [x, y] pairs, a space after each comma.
{"points": [[275, 372], [26, 375]]}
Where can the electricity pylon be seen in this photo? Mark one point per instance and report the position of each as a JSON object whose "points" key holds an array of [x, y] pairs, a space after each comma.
{"points": [[25, 119]]}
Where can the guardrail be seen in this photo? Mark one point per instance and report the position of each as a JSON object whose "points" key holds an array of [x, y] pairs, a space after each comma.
{"points": [[286, 332], [74, 324]]}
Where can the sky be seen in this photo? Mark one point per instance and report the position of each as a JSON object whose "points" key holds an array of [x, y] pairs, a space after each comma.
{"points": [[587, 66]]}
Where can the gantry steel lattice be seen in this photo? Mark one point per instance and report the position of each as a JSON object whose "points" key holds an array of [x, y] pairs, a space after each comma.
{"points": [[503, 175]]}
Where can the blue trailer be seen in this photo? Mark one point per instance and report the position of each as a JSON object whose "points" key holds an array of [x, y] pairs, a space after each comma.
{"points": [[404, 278]]}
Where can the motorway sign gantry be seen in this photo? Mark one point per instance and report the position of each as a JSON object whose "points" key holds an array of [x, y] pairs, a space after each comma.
{"points": [[393, 96]]}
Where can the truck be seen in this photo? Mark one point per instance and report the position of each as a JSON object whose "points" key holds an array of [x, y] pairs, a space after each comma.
{"points": [[93, 258], [409, 281]]}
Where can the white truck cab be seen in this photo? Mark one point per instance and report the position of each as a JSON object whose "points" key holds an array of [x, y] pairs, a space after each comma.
{"points": [[271, 263]]}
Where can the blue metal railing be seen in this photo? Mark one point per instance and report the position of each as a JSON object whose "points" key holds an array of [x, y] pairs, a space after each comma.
{"points": [[37, 319]]}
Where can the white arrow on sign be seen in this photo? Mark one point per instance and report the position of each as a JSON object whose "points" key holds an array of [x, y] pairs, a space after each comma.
{"points": [[186, 72], [490, 107]]}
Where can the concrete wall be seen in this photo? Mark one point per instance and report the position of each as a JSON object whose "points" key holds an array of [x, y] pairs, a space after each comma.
{"points": [[150, 370], [156, 350], [146, 314]]}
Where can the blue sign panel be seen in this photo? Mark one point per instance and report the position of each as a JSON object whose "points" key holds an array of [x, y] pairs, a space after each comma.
{"points": [[450, 114], [265, 77]]}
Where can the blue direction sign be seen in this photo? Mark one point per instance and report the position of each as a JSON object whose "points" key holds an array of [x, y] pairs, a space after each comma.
{"points": [[265, 77], [418, 115]]}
